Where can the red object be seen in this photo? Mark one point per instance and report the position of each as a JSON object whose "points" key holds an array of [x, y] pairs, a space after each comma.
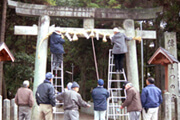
{"points": [[5, 54]]}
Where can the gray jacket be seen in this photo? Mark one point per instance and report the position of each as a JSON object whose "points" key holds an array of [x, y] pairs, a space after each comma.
{"points": [[119, 42], [72, 100]]}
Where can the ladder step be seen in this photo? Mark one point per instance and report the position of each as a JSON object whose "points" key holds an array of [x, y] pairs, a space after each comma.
{"points": [[118, 114], [59, 103], [115, 106], [117, 80], [115, 89], [117, 97], [57, 85], [116, 72], [57, 77], [58, 112]]}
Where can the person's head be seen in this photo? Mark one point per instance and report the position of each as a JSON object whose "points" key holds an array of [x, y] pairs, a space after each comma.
{"points": [[100, 82], [128, 85], [49, 76], [69, 85], [26, 83], [75, 86], [57, 30], [149, 81], [116, 30]]}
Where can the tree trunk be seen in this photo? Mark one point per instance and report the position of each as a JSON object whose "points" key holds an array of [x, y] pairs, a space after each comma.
{"points": [[3, 23]]}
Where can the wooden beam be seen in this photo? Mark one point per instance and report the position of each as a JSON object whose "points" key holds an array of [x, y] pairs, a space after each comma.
{"points": [[26, 9], [33, 30]]}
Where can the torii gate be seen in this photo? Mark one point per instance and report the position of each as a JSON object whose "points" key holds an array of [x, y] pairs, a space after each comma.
{"points": [[88, 14]]}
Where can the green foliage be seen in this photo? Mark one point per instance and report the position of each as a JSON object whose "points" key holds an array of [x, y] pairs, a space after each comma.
{"points": [[16, 73]]}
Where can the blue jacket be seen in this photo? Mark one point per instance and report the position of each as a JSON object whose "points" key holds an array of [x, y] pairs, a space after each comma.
{"points": [[56, 44], [100, 95], [151, 96], [45, 93]]}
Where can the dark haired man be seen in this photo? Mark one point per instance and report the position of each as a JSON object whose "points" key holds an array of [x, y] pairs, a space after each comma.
{"points": [[151, 98]]}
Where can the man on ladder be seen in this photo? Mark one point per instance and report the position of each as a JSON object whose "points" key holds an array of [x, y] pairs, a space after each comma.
{"points": [[56, 47], [120, 48]]}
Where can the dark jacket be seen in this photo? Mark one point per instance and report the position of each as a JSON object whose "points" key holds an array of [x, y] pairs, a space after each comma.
{"points": [[100, 95], [119, 42], [133, 101], [56, 44], [151, 96], [72, 100], [45, 93]]}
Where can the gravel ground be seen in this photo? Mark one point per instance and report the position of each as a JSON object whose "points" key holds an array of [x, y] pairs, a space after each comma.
{"points": [[83, 116]]}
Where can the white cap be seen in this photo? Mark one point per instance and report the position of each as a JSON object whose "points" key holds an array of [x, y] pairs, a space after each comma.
{"points": [[57, 29], [116, 29], [26, 83]]}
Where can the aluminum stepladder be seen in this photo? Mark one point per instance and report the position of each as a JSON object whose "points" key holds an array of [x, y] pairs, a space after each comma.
{"points": [[58, 82], [115, 99]]}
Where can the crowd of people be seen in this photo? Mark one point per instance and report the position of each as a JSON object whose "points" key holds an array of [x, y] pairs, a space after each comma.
{"points": [[147, 103]]}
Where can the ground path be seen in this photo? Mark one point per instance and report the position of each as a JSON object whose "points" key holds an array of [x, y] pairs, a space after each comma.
{"points": [[83, 116]]}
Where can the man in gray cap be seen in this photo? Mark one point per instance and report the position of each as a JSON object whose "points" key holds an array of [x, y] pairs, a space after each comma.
{"points": [[24, 99], [72, 100], [45, 98]]}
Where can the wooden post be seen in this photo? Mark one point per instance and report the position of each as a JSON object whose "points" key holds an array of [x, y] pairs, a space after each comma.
{"points": [[167, 104], [131, 56], [0, 107], [14, 110], [166, 77], [6, 110], [41, 61]]}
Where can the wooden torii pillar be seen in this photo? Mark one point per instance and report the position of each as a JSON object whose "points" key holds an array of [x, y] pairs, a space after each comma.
{"points": [[45, 11]]}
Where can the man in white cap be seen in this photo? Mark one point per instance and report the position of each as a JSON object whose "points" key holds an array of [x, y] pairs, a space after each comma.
{"points": [[72, 101], [56, 47], [120, 48], [24, 100]]}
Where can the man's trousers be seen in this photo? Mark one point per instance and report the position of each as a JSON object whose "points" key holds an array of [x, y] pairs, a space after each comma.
{"points": [[24, 113], [46, 112]]}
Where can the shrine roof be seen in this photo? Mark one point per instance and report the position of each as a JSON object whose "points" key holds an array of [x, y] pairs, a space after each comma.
{"points": [[5, 53], [162, 56]]}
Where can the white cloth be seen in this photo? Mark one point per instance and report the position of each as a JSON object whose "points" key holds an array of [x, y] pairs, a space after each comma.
{"points": [[152, 114], [99, 115]]}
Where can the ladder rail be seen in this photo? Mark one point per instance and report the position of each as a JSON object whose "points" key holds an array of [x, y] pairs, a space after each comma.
{"points": [[112, 108], [58, 82]]}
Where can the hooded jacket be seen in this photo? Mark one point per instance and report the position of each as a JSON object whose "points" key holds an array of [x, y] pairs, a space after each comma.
{"points": [[45, 93], [119, 42], [56, 44]]}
